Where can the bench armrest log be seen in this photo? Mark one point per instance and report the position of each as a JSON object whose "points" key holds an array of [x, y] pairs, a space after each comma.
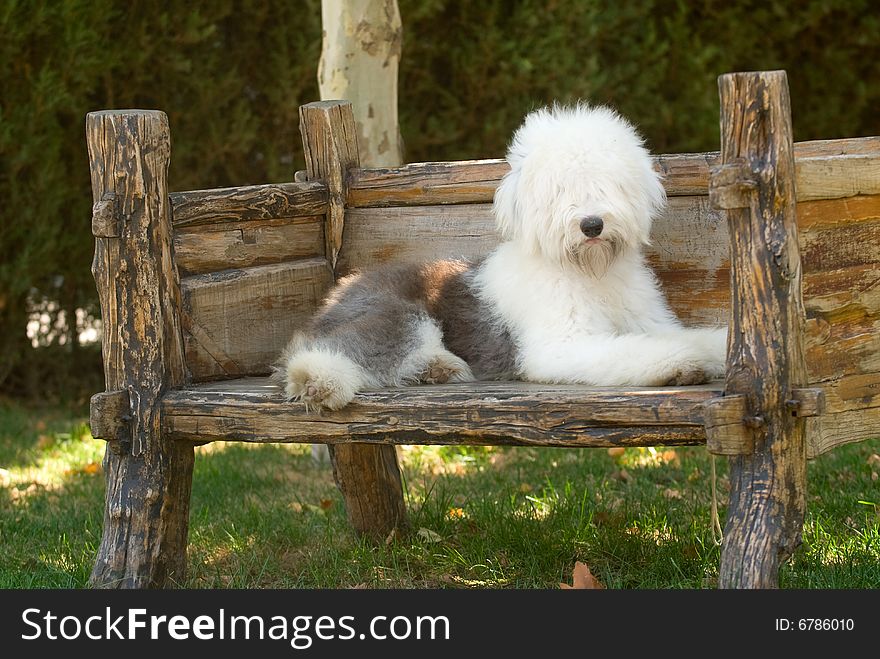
{"points": [[765, 361], [148, 479]]}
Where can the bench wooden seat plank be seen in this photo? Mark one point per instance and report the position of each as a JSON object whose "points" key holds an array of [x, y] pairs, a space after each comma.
{"points": [[482, 413]]}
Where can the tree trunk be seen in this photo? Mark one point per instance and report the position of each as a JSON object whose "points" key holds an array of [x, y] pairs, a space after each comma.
{"points": [[359, 59]]}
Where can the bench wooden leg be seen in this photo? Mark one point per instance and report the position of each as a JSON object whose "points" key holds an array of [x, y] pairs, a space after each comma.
{"points": [[146, 519], [148, 477], [368, 475], [765, 363], [765, 516]]}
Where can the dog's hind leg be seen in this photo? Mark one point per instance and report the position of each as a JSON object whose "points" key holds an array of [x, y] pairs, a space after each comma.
{"points": [[377, 342], [429, 361]]}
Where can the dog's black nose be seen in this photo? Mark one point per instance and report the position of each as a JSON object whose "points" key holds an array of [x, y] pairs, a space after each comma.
{"points": [[592, 226]]}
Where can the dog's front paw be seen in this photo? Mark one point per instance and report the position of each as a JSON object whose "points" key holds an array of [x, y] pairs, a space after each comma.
{"points": [[318, 395], [321, 380]]}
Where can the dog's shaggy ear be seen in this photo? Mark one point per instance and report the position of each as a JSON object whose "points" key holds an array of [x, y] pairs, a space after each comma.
{"points": [[505, 205]]}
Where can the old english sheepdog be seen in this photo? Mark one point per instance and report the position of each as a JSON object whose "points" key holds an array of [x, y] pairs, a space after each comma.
{"points": [[567, 297]]}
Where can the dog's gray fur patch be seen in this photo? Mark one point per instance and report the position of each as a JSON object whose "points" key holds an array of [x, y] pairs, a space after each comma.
{"points": [[374, 319]]}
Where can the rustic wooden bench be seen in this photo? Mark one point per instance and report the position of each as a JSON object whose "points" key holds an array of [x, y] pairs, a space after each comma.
{"points": [[201, 290]]}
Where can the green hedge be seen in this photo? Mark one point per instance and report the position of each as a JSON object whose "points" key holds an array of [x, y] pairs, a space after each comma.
{"points": [[231, 75]]}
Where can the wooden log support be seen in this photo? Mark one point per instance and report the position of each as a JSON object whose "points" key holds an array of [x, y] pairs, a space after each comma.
{"points": [[109, 419], [330, 144], [726, 417], [766, 349], [825, 169], [148, 484], [733, 185], [247, 203], [727, 431], [478, 414], [367, 475]]}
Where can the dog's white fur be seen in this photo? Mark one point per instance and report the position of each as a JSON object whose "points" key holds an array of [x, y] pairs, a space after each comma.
{"points": [[574, 309], [611, 328]]}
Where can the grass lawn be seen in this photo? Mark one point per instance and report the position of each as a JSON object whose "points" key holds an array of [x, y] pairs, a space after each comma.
{"points": [[265, 516]]}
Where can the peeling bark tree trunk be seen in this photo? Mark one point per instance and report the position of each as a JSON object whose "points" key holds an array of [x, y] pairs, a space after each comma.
{"points": [[359, 59]]}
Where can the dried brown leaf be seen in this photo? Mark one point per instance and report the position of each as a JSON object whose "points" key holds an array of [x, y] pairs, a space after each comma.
{"points": [[582, 579]]}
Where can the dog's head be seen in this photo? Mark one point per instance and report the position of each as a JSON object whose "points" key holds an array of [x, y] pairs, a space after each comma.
{"points": [[581, 189]]}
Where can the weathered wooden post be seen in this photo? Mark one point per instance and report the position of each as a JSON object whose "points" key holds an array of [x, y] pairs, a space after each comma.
{"points": [[759, 423], [146, 515], [368, 475]]}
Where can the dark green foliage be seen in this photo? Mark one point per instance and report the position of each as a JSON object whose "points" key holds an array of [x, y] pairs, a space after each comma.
{"points": [[478, 67], [231, 74]]}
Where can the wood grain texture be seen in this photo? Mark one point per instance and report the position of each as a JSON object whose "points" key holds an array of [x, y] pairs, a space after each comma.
{"points": [[483, 413], [236, 245], [724, 420], [109, 418], [823, 177], [840, 242], [830, 431], [146, 514], [765, 351], [368, 476], [852, 413], [427, 183], [330, 147], [825, 169], [606, 417], [105, 219], [251, 202], [237, 322]]}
